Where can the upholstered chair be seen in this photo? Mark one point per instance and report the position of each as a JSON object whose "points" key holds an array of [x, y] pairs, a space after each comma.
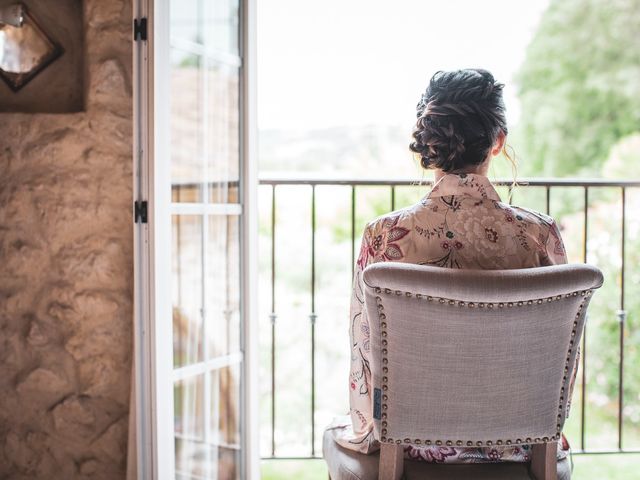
{"points": [[469, 358]]}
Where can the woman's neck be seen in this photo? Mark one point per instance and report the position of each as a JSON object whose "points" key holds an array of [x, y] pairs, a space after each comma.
{"points": [[481, 169]]}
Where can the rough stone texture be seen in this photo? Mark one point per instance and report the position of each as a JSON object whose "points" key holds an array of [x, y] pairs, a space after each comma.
{"points": [[66, 271]]}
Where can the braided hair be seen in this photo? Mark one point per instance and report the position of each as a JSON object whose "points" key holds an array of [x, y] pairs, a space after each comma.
{"points": [[460, 117]]}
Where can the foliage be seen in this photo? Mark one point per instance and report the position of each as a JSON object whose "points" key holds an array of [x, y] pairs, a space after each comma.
{"points": [[579, 86]]}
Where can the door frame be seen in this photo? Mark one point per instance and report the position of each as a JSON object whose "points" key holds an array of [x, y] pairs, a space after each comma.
{"points": [[153, 343]]}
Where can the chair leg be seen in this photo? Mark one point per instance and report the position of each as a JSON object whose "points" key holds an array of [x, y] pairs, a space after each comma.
{"points": [[544, 462], [391, 462]]}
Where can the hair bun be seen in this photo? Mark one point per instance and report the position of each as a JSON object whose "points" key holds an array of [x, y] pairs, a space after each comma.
{"points": [[459, 118]]}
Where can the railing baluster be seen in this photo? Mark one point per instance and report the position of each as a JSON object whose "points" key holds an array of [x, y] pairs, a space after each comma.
{"points": [[548, 195], [313, 317], [584, 332], [393, 197], [273, 320], [622, 316]]}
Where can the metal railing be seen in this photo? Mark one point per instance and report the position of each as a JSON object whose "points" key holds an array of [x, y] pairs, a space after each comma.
{"points": [[548, 185]]}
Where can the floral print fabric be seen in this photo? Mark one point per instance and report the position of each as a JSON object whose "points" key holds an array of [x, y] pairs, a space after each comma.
{"points": [[461, 223]]}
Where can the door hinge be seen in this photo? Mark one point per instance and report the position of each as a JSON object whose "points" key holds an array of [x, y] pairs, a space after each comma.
{"points": [[140, 29], [140, 211]]}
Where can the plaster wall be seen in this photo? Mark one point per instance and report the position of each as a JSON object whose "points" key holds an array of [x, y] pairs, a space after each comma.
{"points": [[66, 270]]}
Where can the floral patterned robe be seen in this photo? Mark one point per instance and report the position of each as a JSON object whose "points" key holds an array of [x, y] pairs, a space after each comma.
{"points": [[461, 223]]}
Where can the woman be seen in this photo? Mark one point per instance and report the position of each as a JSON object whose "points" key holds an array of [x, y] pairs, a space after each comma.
{"points": [[461, 223]]}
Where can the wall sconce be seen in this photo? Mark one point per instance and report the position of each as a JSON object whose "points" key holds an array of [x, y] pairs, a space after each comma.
{"points": [[25, 48]]}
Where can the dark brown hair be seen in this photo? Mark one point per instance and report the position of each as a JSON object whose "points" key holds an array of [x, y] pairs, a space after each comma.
{"points": [[460, 117]]}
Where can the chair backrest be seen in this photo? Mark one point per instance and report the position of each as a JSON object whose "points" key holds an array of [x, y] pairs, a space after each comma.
{"points": [[472, 357]]}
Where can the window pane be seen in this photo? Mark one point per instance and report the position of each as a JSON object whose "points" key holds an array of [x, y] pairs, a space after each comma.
{"points": [[223, 285], [222, 26], [190, 448], [187, 289], [223, 133], [186, 23], [186, 126], [225, 421]]}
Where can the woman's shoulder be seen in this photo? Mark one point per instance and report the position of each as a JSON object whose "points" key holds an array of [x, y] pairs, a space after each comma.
{"points": [[531, 216], [393, 218]]}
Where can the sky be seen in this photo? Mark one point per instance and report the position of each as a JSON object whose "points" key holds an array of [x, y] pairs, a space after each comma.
{"points": [[335, 63]]}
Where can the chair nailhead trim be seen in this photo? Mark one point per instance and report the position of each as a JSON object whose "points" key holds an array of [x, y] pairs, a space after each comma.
{"points": [[383, 326]]}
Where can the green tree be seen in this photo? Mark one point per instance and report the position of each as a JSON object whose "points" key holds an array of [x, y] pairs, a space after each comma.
{"points": [[579, 86]]}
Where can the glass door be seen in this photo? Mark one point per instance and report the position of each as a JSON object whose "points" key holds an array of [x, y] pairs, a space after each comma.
{"points": [[196, 177], [204, 131]]}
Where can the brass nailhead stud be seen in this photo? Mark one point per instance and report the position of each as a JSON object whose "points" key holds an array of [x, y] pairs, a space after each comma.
{"points": [[438, 442], [449, 443], [459, 443], [469, 443]]}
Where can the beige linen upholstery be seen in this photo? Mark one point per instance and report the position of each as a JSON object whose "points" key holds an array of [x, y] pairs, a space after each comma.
{"points": [[473, 358]]}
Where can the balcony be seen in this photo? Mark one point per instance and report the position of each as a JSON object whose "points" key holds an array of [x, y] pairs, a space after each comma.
{"points": [[309, 235]]}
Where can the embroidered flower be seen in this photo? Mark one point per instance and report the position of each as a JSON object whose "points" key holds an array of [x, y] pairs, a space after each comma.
{"points": [[436, 454], [445, 245], [457, 245], [380, 242], [449, 234], [491, 234]]}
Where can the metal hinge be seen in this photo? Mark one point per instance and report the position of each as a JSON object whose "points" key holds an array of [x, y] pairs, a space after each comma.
{"points": [[140, 29], [140, 210]]}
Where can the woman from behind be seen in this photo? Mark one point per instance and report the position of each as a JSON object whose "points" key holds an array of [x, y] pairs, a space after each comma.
{"points": [[461, 223]]}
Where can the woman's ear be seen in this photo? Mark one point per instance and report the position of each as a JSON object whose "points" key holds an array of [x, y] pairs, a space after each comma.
{"points": [[499, 145]]}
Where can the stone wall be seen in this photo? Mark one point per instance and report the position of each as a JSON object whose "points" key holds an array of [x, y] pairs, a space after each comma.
{"points": [[66, 271]]}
